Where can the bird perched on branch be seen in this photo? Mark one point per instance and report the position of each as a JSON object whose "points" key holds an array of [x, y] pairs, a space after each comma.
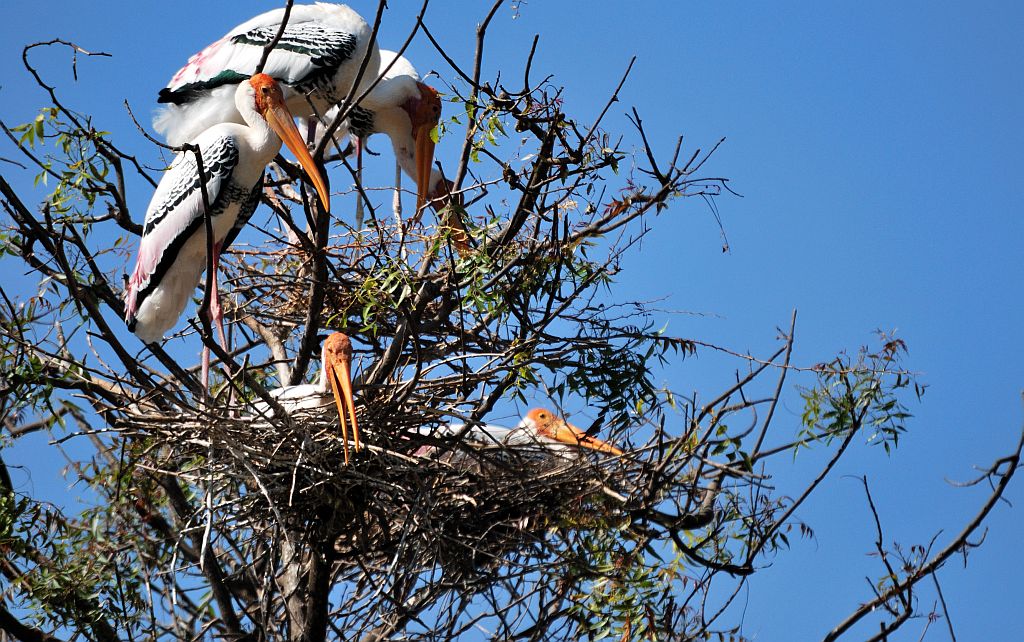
{"points": [[335, 385], [388, 112], [173, 250], [319, 55], [412, 141], [540, 430]]}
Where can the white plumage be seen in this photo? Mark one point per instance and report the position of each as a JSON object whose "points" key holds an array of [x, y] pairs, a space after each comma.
{"points": [[318, 56], [334, 386], [173, 250], [539, 429], [384, 112]]}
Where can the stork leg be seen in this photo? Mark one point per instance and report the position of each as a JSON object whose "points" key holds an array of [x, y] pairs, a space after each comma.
{"points": [[216, 315], [396, 205], [396, 201], [359, 180]]}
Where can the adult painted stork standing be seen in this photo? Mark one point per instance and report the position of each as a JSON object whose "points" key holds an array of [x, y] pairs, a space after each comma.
{"points": [[318, 55], [334, 386], [391, 112], [540, 430], [173, 250]]}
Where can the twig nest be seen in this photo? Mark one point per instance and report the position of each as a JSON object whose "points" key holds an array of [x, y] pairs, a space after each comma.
{"points": [[406, 494]]}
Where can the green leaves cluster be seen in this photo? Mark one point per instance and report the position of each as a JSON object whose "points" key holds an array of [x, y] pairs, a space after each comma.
{"points": [[490, 127], [625, 588], [860, 393], [76, 163], [27, 384], [66, 572]]}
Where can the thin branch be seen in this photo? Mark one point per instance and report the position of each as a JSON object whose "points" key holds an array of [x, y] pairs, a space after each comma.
{"points": [[270, 46], [1004, 468]]}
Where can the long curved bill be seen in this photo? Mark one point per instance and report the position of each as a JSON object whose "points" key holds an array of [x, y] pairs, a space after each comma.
{"points": [[424, 151], [569, 434], [339, 376], [282, 122]]}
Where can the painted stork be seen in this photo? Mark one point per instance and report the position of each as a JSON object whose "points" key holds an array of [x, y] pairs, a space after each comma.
{"points": [[391, 109], [319, 56], [540, 429], [172, 252], [334, 386]]}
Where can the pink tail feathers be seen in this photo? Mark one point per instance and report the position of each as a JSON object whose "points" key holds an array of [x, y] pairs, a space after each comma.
{"points": [[145, 265]]}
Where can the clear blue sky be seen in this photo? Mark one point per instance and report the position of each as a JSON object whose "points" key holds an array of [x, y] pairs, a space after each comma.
{"points": [[877, 146]]}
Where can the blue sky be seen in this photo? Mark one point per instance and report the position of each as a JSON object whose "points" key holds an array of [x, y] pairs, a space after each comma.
{"points": [[876, 146]]}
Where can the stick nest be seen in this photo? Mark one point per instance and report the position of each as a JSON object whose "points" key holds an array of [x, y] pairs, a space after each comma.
{"points": [[429, 500]]}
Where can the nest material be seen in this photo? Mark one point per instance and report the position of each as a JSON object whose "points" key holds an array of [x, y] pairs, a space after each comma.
{"points": [[432, 501]]}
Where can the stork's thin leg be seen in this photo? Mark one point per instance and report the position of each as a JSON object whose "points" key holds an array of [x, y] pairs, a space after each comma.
{"points": [[396, 202], [396, 205], [216, 312], [359, 182], [206, 367], [216, 316]]}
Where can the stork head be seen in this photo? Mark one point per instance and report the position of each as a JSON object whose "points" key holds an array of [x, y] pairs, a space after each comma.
{"points": [[547, 425], [270, 104], [424, 111], [337, 365]]}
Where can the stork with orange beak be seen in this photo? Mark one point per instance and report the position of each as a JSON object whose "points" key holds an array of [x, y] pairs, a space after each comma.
{"points": [[539, 429], [173, 250], [405, 110], [334, 387], [318, 55]]}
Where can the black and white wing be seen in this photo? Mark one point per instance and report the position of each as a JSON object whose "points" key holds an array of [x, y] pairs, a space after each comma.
{"points": [[174, 216], [319, 53]]}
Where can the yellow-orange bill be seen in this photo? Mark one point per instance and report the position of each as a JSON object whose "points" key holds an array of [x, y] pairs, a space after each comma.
{"points": [[424, 162], [282, 122], [341, 387], [570, 434], [337, 355]]}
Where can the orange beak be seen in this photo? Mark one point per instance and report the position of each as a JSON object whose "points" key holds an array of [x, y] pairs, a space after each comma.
{"points": [[283, 123], [424, 114], [338, 353], [424, 163], [562, 431]]}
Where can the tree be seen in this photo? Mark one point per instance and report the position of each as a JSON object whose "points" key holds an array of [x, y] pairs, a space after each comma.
{"points": [[214, 518]]}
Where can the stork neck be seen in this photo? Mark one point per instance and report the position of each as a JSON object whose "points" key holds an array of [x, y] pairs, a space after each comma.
{"points": [[322, 384], [264, 141]]}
